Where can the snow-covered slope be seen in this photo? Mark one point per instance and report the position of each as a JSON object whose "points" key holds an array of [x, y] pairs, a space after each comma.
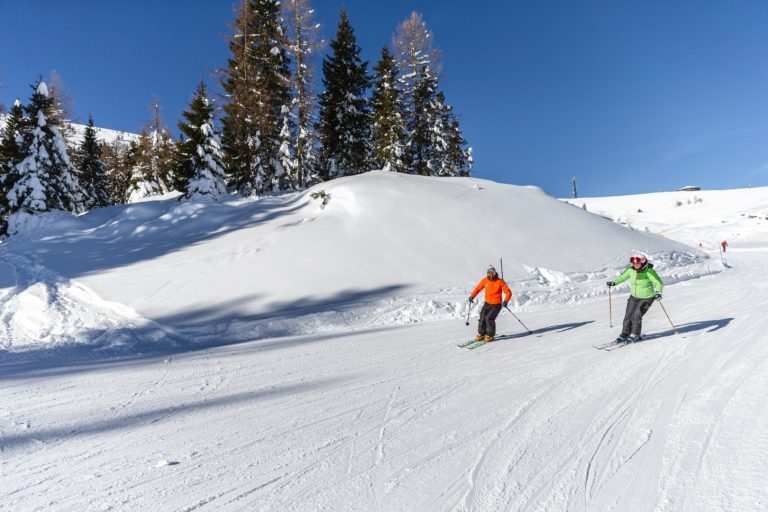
{"points": [[385, 248], [705, 217], [102, 134], [172, 407]]}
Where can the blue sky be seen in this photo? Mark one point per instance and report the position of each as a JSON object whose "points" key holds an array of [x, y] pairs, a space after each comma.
{"points": [[628, 96]]}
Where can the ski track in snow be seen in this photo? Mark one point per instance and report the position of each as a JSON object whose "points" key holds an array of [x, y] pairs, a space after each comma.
{"points": [[534, 459], [542, 422]]}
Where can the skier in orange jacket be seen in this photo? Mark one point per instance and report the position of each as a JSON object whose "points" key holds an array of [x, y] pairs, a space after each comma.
{"points": [[493, 286]]}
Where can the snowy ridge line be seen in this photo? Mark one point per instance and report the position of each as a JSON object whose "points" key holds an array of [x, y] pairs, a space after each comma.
{"points": [[450, 303], [74, 133], [44, 310]]}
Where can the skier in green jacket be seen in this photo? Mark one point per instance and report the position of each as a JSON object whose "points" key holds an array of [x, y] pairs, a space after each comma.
{"points": [[644, 287]]}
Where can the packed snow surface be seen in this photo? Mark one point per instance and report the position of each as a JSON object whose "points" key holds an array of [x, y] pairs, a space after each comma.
{"points": [[299, 353]]}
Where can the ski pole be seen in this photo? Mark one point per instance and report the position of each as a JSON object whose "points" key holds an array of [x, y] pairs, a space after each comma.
{"points": [[610, 309], [521, 322], [468, 311], [670, 320]]}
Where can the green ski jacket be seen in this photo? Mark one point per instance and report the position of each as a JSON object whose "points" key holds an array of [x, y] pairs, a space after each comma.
{"points": [[642, 284]]}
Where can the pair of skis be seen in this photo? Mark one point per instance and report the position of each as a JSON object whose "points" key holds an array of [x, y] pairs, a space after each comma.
{"points": [[472, 344], [616, 344], [611, 345]]}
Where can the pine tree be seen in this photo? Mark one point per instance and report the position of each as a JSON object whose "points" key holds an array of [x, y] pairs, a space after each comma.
{"points": [[144, 180], [200, 172], [10, 155], [118, 166], [435, 144], [10, 142], [153, 158], [344, 111], [45, 179], [387, 126], [92, 174], [10, 145], [421, 125], [458, 157], [303, 43], [256, 83], [286, 170], [162, 153], [416, 57]]}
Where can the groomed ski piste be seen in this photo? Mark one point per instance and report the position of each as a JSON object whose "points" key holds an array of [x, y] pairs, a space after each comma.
{"points": [[294, 353]]}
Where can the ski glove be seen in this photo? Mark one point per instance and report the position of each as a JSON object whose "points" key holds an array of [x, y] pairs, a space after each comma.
{"points": [[610, 283], [657, 296], [504, 304], [471, 299]]}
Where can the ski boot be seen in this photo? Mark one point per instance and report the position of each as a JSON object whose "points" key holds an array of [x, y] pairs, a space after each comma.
{"points": [[479, 337], [488, 339], [621, 339], [634, 338]]}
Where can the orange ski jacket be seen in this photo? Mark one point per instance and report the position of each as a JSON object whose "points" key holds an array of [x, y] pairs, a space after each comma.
{"points": [[493, 289]]}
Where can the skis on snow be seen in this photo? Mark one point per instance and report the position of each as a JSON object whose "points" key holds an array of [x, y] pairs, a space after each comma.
{"points": [[616, 344], [611, 345], [471, 344]]}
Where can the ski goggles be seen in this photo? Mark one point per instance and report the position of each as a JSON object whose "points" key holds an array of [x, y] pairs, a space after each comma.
{"points": [[637, 259]]}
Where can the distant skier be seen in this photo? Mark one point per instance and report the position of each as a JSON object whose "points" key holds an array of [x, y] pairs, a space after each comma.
{"points": [[724, 244], [493, 286], [645, 286]]}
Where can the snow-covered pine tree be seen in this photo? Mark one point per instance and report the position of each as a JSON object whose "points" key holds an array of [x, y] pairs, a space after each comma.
{"points": [[344, 126], [413, 44], [256, 83], [422, 125], [303, 42], [116, 158], [447, 153], [92, 174], [286, 166], [44, 179], [163, 153], [10, 145], [153, 160], [144, 181], [200, 171], [387, 123], [10, 155], [435, 144], [458, 156], [437, 148]]}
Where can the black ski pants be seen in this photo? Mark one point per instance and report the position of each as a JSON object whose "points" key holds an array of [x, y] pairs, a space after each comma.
{"points": [[633, 318], [487, 324]]}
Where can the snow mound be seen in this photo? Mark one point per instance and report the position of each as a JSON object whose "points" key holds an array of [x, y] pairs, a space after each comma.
{"points": [[46, 310]]}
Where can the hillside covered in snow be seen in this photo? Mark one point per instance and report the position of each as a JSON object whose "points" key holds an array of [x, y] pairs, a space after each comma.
{"points": [[300, 352], [705, 217], [104, 135], [384, 248]]}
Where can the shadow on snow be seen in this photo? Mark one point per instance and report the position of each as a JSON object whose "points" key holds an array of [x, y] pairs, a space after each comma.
{"points": [[550, 328], [123, 235], [150, 417], [704, 325], [69, 359]]}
